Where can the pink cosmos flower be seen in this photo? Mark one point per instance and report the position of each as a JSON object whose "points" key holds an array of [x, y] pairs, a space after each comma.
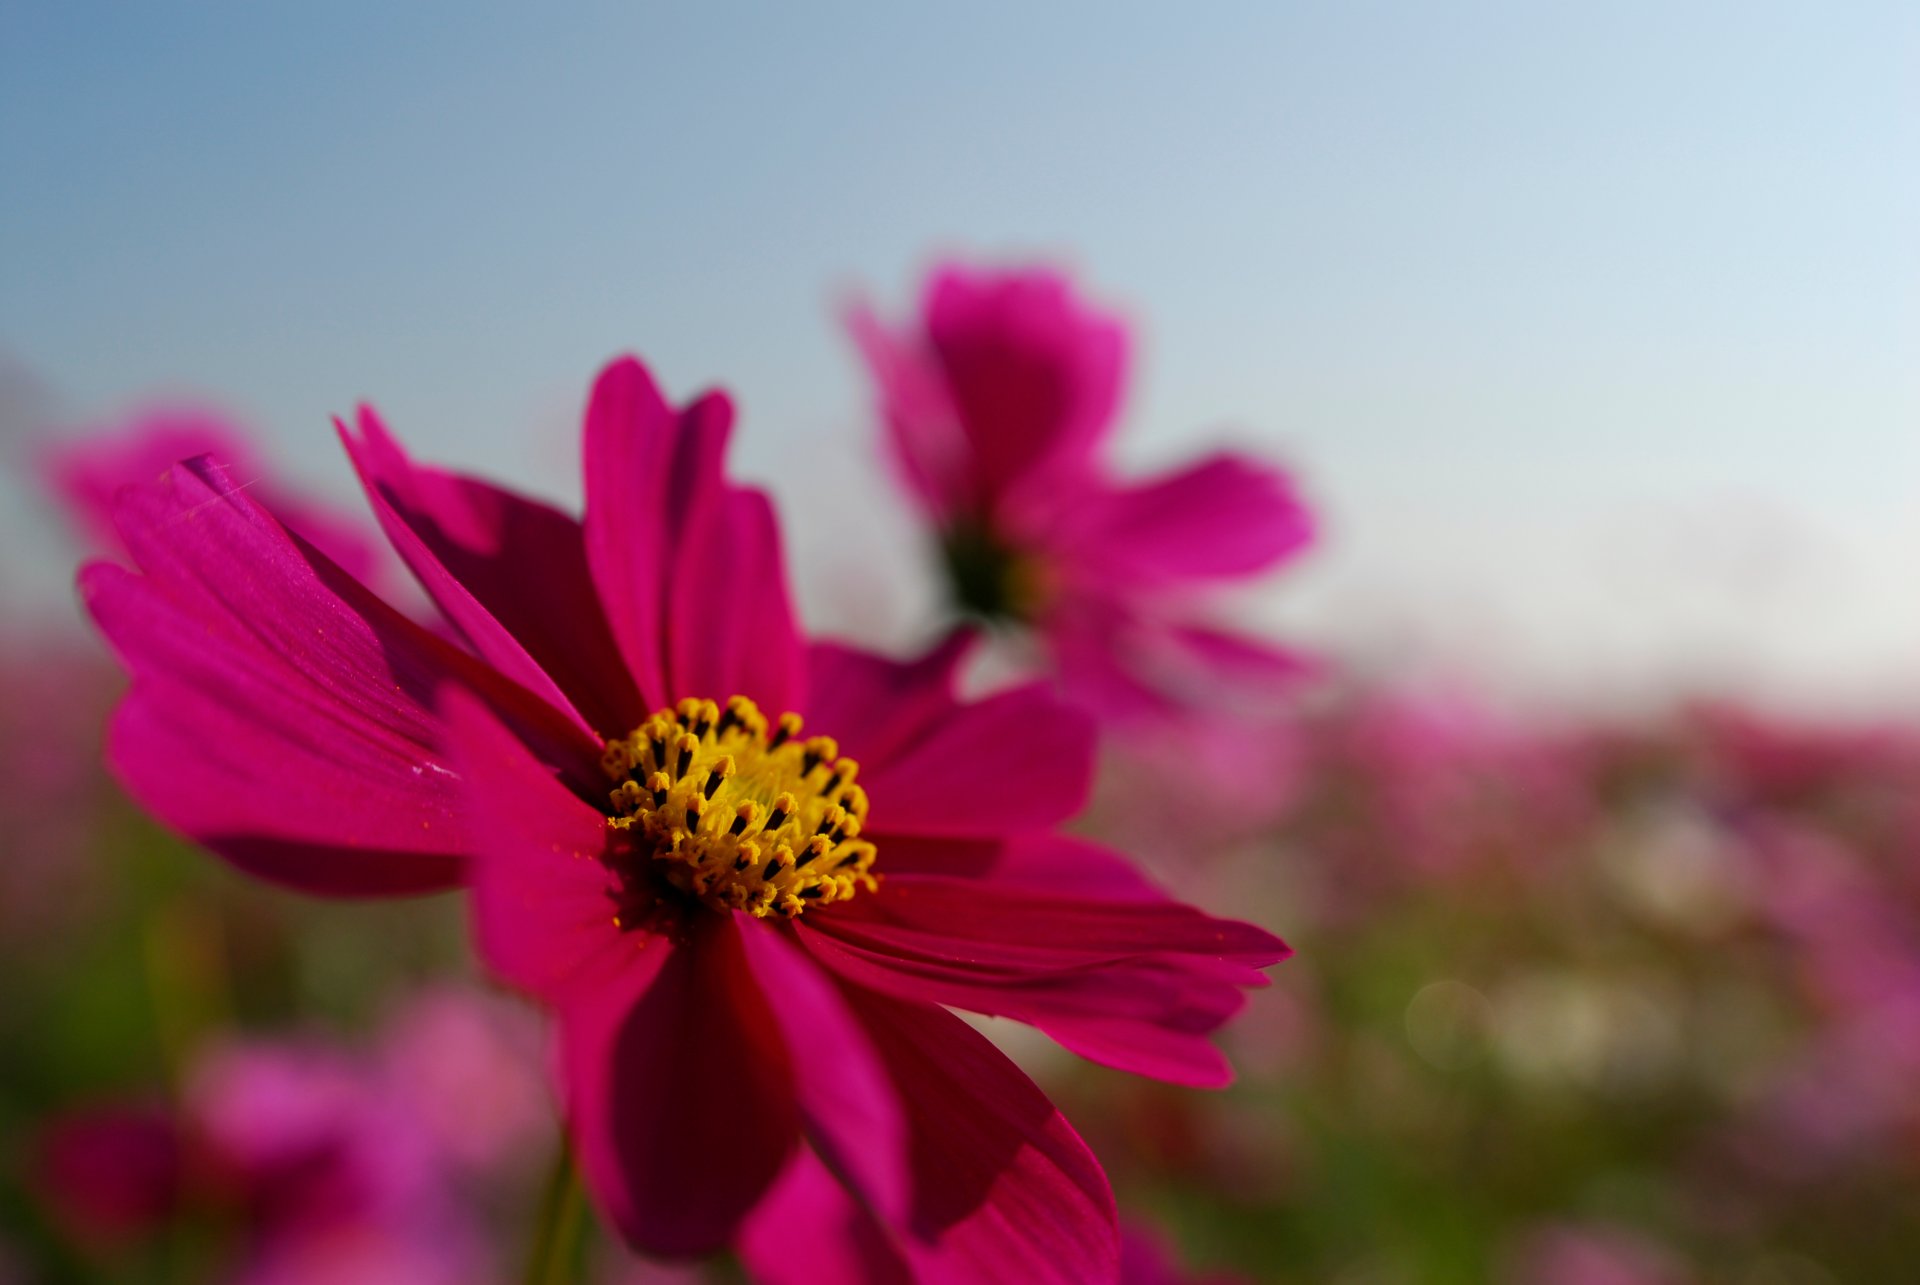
{"points": [[997, 409], [749, 876], [331, 1166]]}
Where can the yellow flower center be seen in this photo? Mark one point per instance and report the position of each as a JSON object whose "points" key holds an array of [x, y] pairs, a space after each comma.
{"points": [[740, 813]]}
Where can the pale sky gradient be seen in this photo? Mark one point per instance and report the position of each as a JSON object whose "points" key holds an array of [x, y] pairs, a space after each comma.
{"points": [[1594, 330]]}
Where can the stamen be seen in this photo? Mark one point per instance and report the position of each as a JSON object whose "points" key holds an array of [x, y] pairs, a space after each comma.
{"points": [[790, 840]]}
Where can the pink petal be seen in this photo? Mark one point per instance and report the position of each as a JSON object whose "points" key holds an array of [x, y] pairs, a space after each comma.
{"points": [[280, 714], [1061, 865], [680, 1094], [877, 707], [1004, 1189], [642, 472], [542, 901], [732, 626], [1033, 374], [510, 572], [687, 567], [1130, 667], [1135, 981], [1016, 761], [1223, 518], [1041, 928], [1097, 668], [810, 1231], [923, 429], [847, 1105], [1212, 659], [87, 474]]}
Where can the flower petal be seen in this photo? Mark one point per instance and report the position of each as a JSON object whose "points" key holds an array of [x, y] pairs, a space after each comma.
{"points": [[680, 1093], [1225, 517], [1135, 981], [732, 630], [848, 1107], [1212, 659], [923, 428], [877, 707], [1016, 761], [810, 1231], [87, 475], [279, 713], [688, 567], [542, 904], [1004, 1189], [1034, 375], [1128, 666], [641, 474], [510, 572], [922, 913]]}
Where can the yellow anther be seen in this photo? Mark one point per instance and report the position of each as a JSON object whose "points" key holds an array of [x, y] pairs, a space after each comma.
{"points": [[789, 813]]}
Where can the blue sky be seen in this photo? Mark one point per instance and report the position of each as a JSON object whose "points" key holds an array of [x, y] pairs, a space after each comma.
{"points": [[1595, 331]]}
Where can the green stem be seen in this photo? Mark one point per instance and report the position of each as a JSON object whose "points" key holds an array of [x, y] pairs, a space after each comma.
{"points": [[555, 1256]]}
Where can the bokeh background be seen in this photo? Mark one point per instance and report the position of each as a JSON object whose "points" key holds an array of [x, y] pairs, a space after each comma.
{"points": [[1594, 336]]}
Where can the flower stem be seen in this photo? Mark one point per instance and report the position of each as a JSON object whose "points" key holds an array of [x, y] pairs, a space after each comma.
{"points": [[557, 1239]]}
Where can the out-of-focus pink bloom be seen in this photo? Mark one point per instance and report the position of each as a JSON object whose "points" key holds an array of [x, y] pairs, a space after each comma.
{"points": [[1147, 1259], [470, 1070], [1589, 1254], [113, 1171], [685, 881], [325, 1160], [997, 408], [87, 473]]}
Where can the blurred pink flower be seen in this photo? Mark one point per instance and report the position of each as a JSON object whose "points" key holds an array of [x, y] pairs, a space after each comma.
{"points": [[324, 1158], [998, 407], [113, 1171], [1592, 1254], [639, 853], [471, 1071]]}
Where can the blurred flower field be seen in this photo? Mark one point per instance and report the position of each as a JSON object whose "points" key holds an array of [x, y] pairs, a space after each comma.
{"points": [[1571, 1004]]}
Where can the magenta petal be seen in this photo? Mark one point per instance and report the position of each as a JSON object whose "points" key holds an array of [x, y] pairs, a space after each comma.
{"points": [[1042, 927], [732, 626], [877, 707], [923, 428], [1224, 517], [640, 482], [88, 474], [1135, 981], [1004, 1189], [810, 1231], [510, 572], [847, 1105], [1016, 761], [229, 747], [1216, 659], [1092, 646], [280, 713], [542, 904], [1062, 865], [276, 714], [681, 1100], [1033, 375], [688, 568]]}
